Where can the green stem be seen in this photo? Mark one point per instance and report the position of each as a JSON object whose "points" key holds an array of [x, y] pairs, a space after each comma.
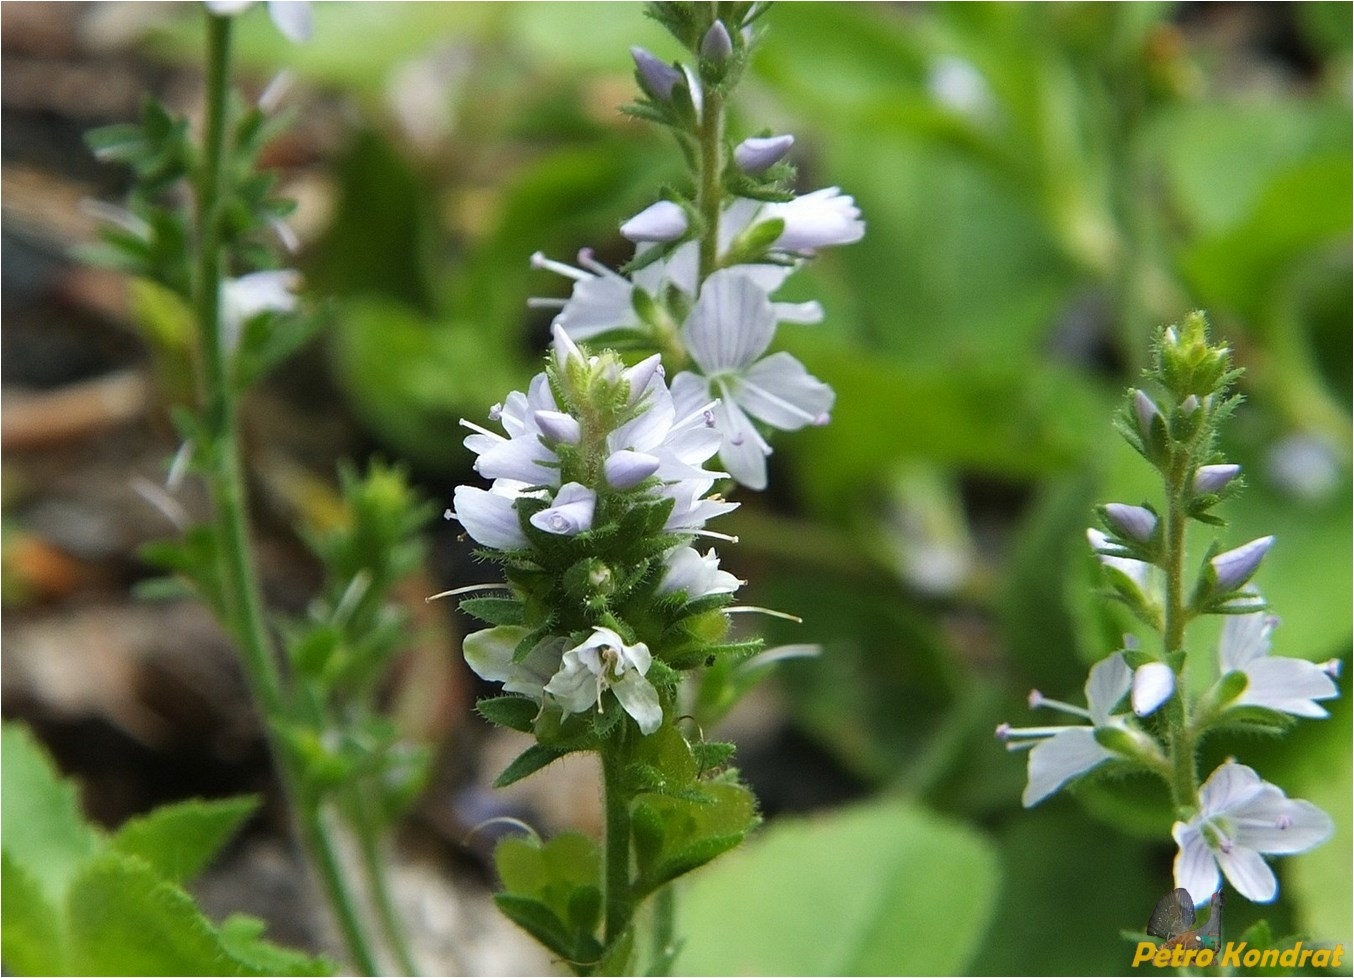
{"points": [[368, 841], [241, 601], [620, 901], [710, 187]]}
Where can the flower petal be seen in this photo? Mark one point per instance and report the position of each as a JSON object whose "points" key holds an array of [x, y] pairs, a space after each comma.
{"points": [[743, 451], [1244, 639], [571, 513], [489, 518], [1106, 685], [1153, 684], [489, 652], [731, 325], [639, 699], [1289, 686], [1230, 786], [779, 391], [575, 687], [1064, 756], [1249, 873], [1275, 824], [1195, 868]]}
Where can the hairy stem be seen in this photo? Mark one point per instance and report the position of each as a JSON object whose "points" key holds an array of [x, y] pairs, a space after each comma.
{"points": [[620, 901], [710, 186], [1184, 782], [241, 600]]}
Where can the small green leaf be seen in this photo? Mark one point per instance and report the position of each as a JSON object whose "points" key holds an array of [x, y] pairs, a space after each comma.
{"points": [[537, 920], [242, 937], [528, 762], [513, 712], [674, 835], [494, 611], [31, 942], [40, 823], [179, 840]]}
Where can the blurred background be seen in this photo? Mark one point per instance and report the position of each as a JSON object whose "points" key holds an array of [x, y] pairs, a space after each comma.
{"points": [[1043, 185]]}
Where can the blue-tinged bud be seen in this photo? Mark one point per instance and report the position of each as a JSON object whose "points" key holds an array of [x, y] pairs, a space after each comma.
{"points": [[1147, 412], [1135, 522], [717, 45], [662, 222], [641, 375], [756, 154], [1235, 567], [657, 77], [1212, 478], [558, 426], [625, 469]]}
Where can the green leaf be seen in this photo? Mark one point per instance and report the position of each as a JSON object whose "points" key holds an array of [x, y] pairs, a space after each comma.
{"points": [[31, 939], [528, 762], [879, 889], [179, 840], [494, 611], [674, 835], [539, 921], [40, 824], [124, 920], [514, 712], [554, 891], [242, 937]]}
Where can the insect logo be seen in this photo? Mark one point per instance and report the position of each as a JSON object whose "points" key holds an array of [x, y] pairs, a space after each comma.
{"points": [[1173, 922]]}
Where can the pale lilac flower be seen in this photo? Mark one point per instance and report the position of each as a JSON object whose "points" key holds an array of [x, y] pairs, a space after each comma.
{"points": [[489, 516], [603, 661], [570, 513], [730, 327], [1235, 567], [1212, 478], [1066, 752], [524, 455], [661, 222], [291, 17], [1135, 522], [685, 570], [756, 154], [815, 220], [1242, 816], [1153, 684], [1274, 682]]}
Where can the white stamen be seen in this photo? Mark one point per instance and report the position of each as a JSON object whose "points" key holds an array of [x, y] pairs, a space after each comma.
{"points": [[469, 587], [753, 609], [169, 507], [483, 431], [538, 260]]}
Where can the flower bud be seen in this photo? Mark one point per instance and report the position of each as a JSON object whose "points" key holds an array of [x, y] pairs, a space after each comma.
{"points": [[656, 77], [1153, 685], [1147, 412], [663, 221], [1135, 522], [558, 426], [626, 469], [756, 154], [1189, 363], [1235, 567], [1212, 478], [641, 375], [717, 45]]}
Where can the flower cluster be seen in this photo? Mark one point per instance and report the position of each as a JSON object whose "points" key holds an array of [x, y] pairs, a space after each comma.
{"points": [[715, 319], [1141, 714], [592, 452]]}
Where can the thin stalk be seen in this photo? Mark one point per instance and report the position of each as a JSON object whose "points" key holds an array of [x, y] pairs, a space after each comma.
{"points": [[378, 887], [662, 950], [620, 901], [243, 605], [710, 186]]}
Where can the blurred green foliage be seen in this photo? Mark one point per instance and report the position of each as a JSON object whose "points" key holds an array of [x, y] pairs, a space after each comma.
{"points": [[1043, 184]]}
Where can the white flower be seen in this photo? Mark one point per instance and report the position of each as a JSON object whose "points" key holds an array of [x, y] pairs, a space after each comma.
{"points": [[249, 295], [663, 221], [696, 576], [1063, 753], [291, 17], [489, 653], [603, 661], [816, 220], [524, 455], [1240, 817], [730, 327], [570, 513], [1279, 683], [490, 516]]}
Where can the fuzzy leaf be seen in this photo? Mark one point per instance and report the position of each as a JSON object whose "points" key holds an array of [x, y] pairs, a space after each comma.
{"points": [[513, 712], [528, 762], [494, 611], [31, 942], [179, 840]]}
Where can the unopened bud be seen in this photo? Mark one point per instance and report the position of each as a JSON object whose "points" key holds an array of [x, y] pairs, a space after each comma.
{"points": [[558, 426], [657, 77], [717, 45], [625, 469], [1212, 478], [1153, 685], [756, 154], [662, 222], [1235, 567], [1135, 522], [1147, 412]]}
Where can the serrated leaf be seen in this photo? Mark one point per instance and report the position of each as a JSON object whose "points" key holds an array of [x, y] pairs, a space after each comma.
{"points": [[514, 712], [40, 824], [31, 938], [494, 611], [528, 762], [117, 904], [537, 920], [179, 840], [674, 835], [242, 937]]}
